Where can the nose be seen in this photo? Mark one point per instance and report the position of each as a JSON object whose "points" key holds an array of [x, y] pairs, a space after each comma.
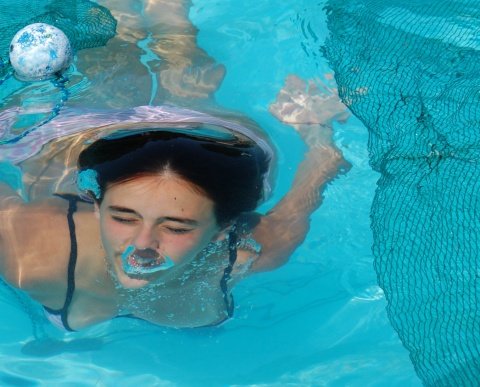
{"points": [[146, 238]]}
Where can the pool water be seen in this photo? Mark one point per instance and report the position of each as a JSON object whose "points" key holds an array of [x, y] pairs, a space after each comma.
{"points": [[319, 320]]}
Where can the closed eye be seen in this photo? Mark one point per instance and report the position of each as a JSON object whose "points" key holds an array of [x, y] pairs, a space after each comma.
{"points": [[176, 230], [123, 220]]}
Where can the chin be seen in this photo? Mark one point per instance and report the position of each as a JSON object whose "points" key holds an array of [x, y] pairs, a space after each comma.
{"points": [[124, 280], [129, 282]]}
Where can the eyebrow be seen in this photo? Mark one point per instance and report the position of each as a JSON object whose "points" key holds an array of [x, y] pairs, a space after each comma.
{"points": [[125, 210]]}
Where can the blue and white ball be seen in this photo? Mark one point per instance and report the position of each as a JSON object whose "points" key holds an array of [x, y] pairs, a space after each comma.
{"points": [[39, 51]]}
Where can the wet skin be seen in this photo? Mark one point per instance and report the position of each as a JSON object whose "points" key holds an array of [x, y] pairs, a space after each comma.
{"points": [[161, 213]]}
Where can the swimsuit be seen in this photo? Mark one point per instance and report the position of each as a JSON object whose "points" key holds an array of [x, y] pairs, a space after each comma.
{"points": [[59, 317]]}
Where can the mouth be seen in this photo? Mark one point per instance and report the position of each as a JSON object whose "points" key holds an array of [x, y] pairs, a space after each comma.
{"points": [[140, 262]]}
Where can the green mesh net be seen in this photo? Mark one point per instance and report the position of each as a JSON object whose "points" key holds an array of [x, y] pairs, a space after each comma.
{"points": [[86, 24], [410, 70]]}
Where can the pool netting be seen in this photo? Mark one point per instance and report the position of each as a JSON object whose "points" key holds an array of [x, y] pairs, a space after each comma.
{"points": [[410, 70], [86, 23]]}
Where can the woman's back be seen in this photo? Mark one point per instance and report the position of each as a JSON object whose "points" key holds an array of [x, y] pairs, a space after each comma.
{"points": [[34, 246]]}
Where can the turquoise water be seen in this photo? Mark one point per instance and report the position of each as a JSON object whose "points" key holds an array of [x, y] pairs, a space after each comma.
{"points": [[319, 320], [410, 72]]}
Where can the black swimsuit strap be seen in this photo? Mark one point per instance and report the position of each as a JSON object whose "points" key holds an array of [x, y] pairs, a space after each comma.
{"points": [[232, 258], [72, 261]]}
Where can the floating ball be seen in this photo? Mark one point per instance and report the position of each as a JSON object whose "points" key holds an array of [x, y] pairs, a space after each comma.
{"points": [[39, 51]]}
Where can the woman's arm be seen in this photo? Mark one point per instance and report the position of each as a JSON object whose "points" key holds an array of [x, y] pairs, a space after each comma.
{"points": [[311, 112]]}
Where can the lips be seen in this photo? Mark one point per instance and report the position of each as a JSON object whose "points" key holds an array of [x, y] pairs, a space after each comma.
{"points": [[145, 261], [142, 262]]}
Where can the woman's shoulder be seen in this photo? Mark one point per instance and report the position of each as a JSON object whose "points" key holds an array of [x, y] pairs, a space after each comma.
{"points": [[36, 214], [248, 249]]}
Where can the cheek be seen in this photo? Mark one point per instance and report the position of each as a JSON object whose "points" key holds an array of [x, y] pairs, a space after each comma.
{"points": [[184, 246], [113, 231], [181, 244]]}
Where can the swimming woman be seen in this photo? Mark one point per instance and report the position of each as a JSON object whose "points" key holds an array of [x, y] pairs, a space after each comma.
{"points": [[169, 228], [162, 225]]}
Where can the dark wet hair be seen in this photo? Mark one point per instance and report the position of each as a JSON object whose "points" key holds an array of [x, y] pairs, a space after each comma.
{"points": [[230, 173]]}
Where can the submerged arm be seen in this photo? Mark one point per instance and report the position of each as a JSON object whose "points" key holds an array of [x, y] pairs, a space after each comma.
{"points": [[311, 113], [285, 227]]}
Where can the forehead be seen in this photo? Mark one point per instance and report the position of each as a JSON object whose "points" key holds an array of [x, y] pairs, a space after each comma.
{"points": [[160, 195]]}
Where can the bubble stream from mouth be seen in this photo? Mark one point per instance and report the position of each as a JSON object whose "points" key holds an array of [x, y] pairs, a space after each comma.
{"points": [[134, 263]]}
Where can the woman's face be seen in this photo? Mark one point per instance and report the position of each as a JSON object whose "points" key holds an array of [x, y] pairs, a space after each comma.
{"points": [[152, 226]]}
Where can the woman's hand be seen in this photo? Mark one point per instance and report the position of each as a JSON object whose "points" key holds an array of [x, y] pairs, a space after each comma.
{"points": [[312, 102], [310, 107]]}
